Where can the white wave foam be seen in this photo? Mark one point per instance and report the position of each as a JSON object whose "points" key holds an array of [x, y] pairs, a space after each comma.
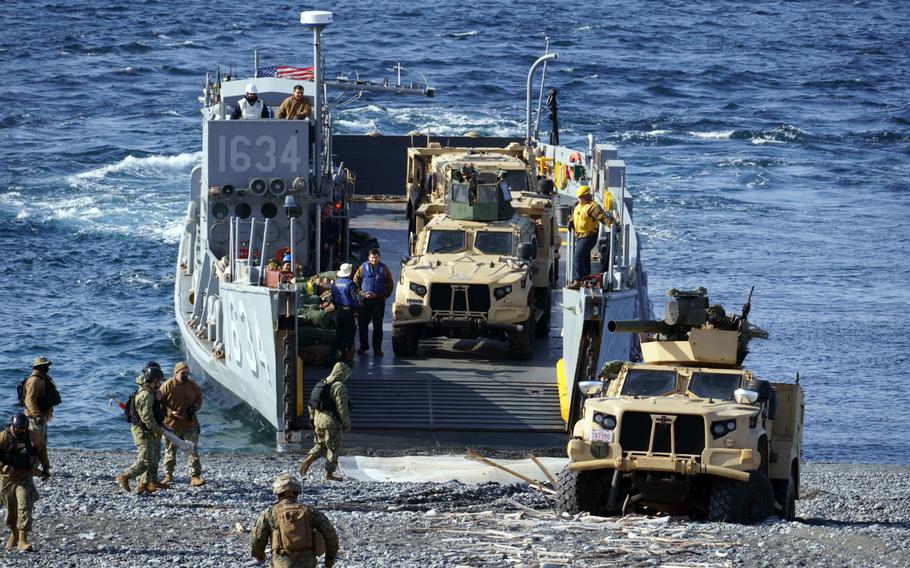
{"points": [[439, 121], [714, 135], [148, 164], [464, 34]]}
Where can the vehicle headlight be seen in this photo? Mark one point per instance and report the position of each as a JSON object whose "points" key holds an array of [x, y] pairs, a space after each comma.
{"points": [[418, 289], [502, 292], [720, 428], [605, 420]]}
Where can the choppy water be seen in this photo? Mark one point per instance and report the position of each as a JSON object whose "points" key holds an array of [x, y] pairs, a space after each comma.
{"points": [[766, 142]]}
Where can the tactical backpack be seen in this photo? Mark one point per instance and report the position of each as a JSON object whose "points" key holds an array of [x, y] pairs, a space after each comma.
{"points": [[129, 411], [294, 532], [50, 399], [321, 398]]}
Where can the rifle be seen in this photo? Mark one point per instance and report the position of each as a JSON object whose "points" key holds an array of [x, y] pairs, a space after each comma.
{"points": [[187, 447]]}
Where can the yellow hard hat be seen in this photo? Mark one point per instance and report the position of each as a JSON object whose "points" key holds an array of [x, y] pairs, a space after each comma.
{"points": [[583, 191]]}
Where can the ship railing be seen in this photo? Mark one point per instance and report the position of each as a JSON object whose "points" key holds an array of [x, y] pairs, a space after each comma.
{"points": [[598, 168]]}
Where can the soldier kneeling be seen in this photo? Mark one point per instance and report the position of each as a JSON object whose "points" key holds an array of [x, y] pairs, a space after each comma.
{"points": [[299, 533], [20, 449]]}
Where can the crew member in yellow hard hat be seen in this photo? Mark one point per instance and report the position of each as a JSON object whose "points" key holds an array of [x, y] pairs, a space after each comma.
{"points": [[586, 219]]}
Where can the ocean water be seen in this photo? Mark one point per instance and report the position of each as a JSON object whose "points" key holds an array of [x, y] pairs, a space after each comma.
{"points": [[767, 144]]}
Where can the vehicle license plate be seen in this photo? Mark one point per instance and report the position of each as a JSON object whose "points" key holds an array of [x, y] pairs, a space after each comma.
{"points": [[601, 436]]}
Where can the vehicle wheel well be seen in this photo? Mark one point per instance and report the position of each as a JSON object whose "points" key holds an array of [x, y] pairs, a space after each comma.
{"points": [[765, 454]]}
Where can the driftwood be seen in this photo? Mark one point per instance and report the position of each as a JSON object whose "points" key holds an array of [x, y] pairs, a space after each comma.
{"points": [[523, 537], [544, 469], [474, 456]]}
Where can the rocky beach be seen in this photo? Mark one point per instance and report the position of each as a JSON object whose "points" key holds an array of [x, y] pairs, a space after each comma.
{"points": [[849, 515]]}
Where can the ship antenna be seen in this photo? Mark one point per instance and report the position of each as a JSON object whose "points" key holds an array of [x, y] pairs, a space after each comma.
{"points": [[318, 20]]}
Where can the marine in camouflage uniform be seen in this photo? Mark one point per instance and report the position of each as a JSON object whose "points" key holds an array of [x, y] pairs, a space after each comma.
{"points": [[328, 424], [20, 450], [37, 407], [287, 489], [182, 399], [146, 434]]}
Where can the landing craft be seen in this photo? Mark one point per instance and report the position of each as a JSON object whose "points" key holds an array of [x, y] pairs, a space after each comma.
{"points": [[245, 322]]}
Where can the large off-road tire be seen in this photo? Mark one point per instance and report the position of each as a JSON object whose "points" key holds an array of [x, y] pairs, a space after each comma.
{"points": [[578, 491], [521, 343], [743, 502], [405, 341], [542, 328], [785, 497]]}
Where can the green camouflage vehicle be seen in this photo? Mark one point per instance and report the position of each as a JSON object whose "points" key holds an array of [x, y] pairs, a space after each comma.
{"points": [[689, 430]]}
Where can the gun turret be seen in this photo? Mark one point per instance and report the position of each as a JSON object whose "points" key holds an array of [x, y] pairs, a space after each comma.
{"points": [[687, 314]]}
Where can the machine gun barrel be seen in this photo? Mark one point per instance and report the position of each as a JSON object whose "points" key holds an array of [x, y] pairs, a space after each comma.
{"points": [[640, 326]]}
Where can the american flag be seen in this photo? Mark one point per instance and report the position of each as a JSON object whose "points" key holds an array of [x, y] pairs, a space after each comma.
{"points": [[299, 73]]}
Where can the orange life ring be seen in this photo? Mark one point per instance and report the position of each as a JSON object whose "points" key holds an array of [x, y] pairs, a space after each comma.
{"points": [[575, 158]]}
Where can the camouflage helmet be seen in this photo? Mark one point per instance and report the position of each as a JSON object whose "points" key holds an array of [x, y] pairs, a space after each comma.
{"points": [[285, 483], [41, 361]]}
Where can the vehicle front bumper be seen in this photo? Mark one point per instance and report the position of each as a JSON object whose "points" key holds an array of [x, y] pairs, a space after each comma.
{"points": [[723, 462]]}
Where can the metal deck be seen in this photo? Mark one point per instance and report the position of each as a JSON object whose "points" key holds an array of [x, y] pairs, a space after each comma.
{"points": [[453, 389]]}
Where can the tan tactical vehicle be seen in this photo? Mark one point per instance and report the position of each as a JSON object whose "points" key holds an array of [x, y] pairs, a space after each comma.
{"points": [[483, 248], [688, 431]]}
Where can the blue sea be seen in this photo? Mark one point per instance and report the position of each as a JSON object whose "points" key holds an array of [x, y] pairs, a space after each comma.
{"points": [[767, 145]]}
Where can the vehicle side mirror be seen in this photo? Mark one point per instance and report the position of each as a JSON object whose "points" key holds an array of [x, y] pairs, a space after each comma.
{"points": [[527, 251], [590, 388], [744, 396]]}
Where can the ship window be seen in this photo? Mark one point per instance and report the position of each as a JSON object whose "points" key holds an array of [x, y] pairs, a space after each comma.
{"points": [[647, 382], [445, 241], [269, 210], [220, 210], [493, 242], [714, 385], [243, 210]]}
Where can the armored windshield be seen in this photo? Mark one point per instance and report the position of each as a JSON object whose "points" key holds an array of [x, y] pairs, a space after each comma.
{"points": [[493, 242], [517, 180], [445, 241], [647, 382], [714, 385]]}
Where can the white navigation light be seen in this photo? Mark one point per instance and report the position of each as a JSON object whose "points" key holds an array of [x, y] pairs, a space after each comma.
{"points": [[316, 18], [299, 184]]}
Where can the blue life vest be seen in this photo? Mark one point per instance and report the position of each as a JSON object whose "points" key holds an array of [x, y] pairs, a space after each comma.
{"points": [[343, 293], [373, 279]]}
